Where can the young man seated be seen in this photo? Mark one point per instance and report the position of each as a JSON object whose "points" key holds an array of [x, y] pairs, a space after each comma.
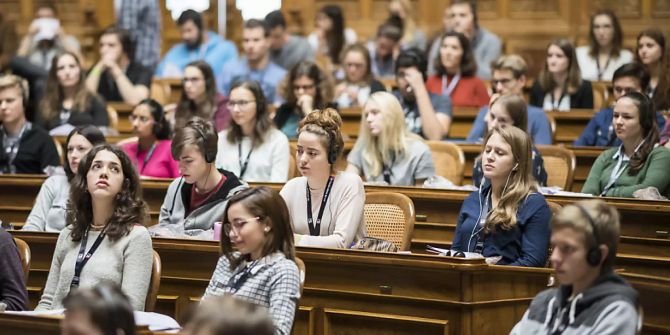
{"points": [[591, 299]]}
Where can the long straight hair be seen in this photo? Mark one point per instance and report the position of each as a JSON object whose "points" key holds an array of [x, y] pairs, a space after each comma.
{"points": [[187, 108], [617, 38], [574, 79], [335, 36], [661, 96], [650, 135]]}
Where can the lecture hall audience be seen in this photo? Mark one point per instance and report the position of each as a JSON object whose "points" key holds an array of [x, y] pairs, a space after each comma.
{"points": [[358, 82]]}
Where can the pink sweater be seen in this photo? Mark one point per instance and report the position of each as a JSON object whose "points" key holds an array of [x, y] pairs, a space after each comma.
{"points": [[160, 164]]}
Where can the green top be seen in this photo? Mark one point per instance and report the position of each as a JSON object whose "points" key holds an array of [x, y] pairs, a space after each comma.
{"points": [[653, 173]]}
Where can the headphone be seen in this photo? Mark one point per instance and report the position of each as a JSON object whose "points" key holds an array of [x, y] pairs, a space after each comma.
{"points": [[516, 167], [594, 254], [210, 155]]}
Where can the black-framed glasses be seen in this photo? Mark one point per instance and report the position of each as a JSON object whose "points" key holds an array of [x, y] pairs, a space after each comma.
{"points": [[237, 225]]}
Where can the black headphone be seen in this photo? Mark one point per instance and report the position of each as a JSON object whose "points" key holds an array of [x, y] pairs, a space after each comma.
{"points": [[210, 156], [594, 254]]}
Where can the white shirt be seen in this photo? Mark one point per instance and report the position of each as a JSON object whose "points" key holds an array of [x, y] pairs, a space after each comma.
{"points": [[589, 66], [268, 162]]}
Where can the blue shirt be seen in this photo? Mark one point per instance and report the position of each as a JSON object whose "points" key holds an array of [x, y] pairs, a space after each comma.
{"points": [[526, 244], [539, 127], [441, 104], [216, 52], [269, 77], [599, 131]]}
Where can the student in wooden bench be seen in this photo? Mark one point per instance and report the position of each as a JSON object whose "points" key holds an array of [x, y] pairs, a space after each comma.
{"points": [[507, 220], [386, 151], [591, 299], [196, 200], [326, 206], [48, 213], [104, 239], [639, 162], [258, 261]]}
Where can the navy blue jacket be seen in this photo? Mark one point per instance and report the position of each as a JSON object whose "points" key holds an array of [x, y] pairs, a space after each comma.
{"points": [[525, 244], [599, 132]]}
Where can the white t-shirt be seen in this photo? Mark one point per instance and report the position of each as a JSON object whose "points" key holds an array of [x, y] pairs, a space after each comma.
{"points": [[589, 66], [267, 162]]}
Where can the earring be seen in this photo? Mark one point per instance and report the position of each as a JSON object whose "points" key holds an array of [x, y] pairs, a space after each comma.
{"points": [[267, 229]]}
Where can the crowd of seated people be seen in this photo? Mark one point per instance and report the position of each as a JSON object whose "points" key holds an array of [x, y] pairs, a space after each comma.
{"points": [[235, 116]]}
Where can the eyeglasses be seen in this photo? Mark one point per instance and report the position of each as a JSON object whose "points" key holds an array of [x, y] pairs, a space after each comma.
{"points": [[503, 82], [191, 79], [237, 225], [303, 87], [356, 65], [239, 103], [142, 119]]}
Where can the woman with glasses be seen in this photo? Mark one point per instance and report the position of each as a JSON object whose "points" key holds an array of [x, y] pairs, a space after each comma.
{"points": [[305, 89], [200, 98], [252, 148], [151, 152], [358, 81], [258, 261]]}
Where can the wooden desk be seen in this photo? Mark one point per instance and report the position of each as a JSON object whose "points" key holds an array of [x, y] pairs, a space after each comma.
{"points": [[462, 119], [41, 325], [569, 125], [123, 110]]}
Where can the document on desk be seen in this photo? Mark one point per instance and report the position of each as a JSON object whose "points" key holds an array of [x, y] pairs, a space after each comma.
{"points": [[448, 252]]}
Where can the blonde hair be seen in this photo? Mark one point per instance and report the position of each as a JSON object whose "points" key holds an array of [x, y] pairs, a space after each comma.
{"points": [[521, 182], [409, 26], [10, 81], [392, 141]]}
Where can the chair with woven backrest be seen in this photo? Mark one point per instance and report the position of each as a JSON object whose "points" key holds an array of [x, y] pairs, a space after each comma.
{"points": [[26, 256], [449, 160], [390, 216], [154, 284], [559, 163]]}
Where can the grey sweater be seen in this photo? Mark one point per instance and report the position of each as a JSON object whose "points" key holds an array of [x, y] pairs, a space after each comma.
{"points": [[127, 262], [48, 213]]}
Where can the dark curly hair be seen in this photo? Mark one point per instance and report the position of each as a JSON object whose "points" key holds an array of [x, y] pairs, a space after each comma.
{"points": [[129, 207]]}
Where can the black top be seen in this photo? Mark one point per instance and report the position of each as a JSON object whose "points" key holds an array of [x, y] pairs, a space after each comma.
{"points": [[376, 86], [136, 73], [12, 288], [583, 98], [37, 150], [96, 114]]}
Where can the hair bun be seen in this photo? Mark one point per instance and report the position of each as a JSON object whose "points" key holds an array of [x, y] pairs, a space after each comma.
{"points": [[328, 119]]}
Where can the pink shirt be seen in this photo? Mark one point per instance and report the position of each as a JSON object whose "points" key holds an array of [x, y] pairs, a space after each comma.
{"points": [[159, 165]]}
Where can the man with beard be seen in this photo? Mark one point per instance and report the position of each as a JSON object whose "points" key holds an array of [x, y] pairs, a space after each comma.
{"points": [[426, 114], [197, 44]]}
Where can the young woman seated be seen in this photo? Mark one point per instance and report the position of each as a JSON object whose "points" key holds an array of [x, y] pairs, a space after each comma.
{"points": [[152, 149], [200, 98], [358, 82], [605, 52], [305, 89], [333, 201], [506, 220], [639, 162], [67, 101], [560, 87], [48, 213], [252, 148], [509, 110], [105, 239], [196, 200], [385, 150], [652, 52], [258, 261]]}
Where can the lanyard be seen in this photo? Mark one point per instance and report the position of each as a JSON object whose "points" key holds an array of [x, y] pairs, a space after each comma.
{"points": [[233, 284], [618, 170], [601, 71], [387, 171], [12, 147], [245, 163], [452, 85], [82, 258], [315, 230], [555, 105], [146, 158]]}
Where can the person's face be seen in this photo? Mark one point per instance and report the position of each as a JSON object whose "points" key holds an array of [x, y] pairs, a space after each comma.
{"points": [[557, 61], [623, 85], [78, 323], [142, 121], [68, 71], [403, 84], [192, 164], [462, 19], [323, 22], [603, 30], [247, 234], [568, 257], [105, 176], [649, 51], [45, 12], [255, 44], [373, 117], [190, 34], [242, 106], [504, 82], [11, 105], [497, 159], [111, 45], [77, 148], [498, 116], [626, 120], [385, 47], [194, 83], [277, 38], [311, 156], [355, 66], [451, 53], [304, 85]]}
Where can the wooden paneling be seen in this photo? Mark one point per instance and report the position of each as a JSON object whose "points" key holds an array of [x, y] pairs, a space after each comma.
{"points": [[343, 322]]}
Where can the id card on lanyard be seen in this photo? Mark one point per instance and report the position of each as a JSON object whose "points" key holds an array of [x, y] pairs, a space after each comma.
{"points": [[11, 148], [83, 257], [448, 89], [315, 228], [619, 168], [237, 280]]}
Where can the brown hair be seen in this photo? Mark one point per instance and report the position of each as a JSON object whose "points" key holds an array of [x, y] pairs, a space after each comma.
{"points": [[227, 315], [129, 207], [263, 122], [468, 64], [272, 211], [187, 108], [107, 306], [360, 48], [309, 69], [325, 124], [662, 94], [196, 132], [516, 107], [574, 79], [617, 39], [650, 134]]}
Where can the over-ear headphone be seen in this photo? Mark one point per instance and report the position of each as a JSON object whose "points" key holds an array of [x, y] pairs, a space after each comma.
{"points": [[594, 254], [210, 156]]}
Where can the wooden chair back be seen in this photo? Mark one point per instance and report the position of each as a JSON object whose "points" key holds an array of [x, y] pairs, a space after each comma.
{"points": [[59, 149], [113, 116], [303, 272], [552, 125], [449, 160], [154, 284], [390, 216], [26, 256], [292, 168], [559, 163]]}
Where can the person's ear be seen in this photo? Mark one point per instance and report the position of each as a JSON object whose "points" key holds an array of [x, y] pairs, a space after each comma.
{"points": [[604, 253]]}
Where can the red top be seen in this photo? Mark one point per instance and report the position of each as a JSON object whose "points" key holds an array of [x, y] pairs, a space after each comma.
{"points": [[469, 92], [198, 199]]}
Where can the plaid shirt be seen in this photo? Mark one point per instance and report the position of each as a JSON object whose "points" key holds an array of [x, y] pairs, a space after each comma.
{"points": [[272, 281], [143, 19]]}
